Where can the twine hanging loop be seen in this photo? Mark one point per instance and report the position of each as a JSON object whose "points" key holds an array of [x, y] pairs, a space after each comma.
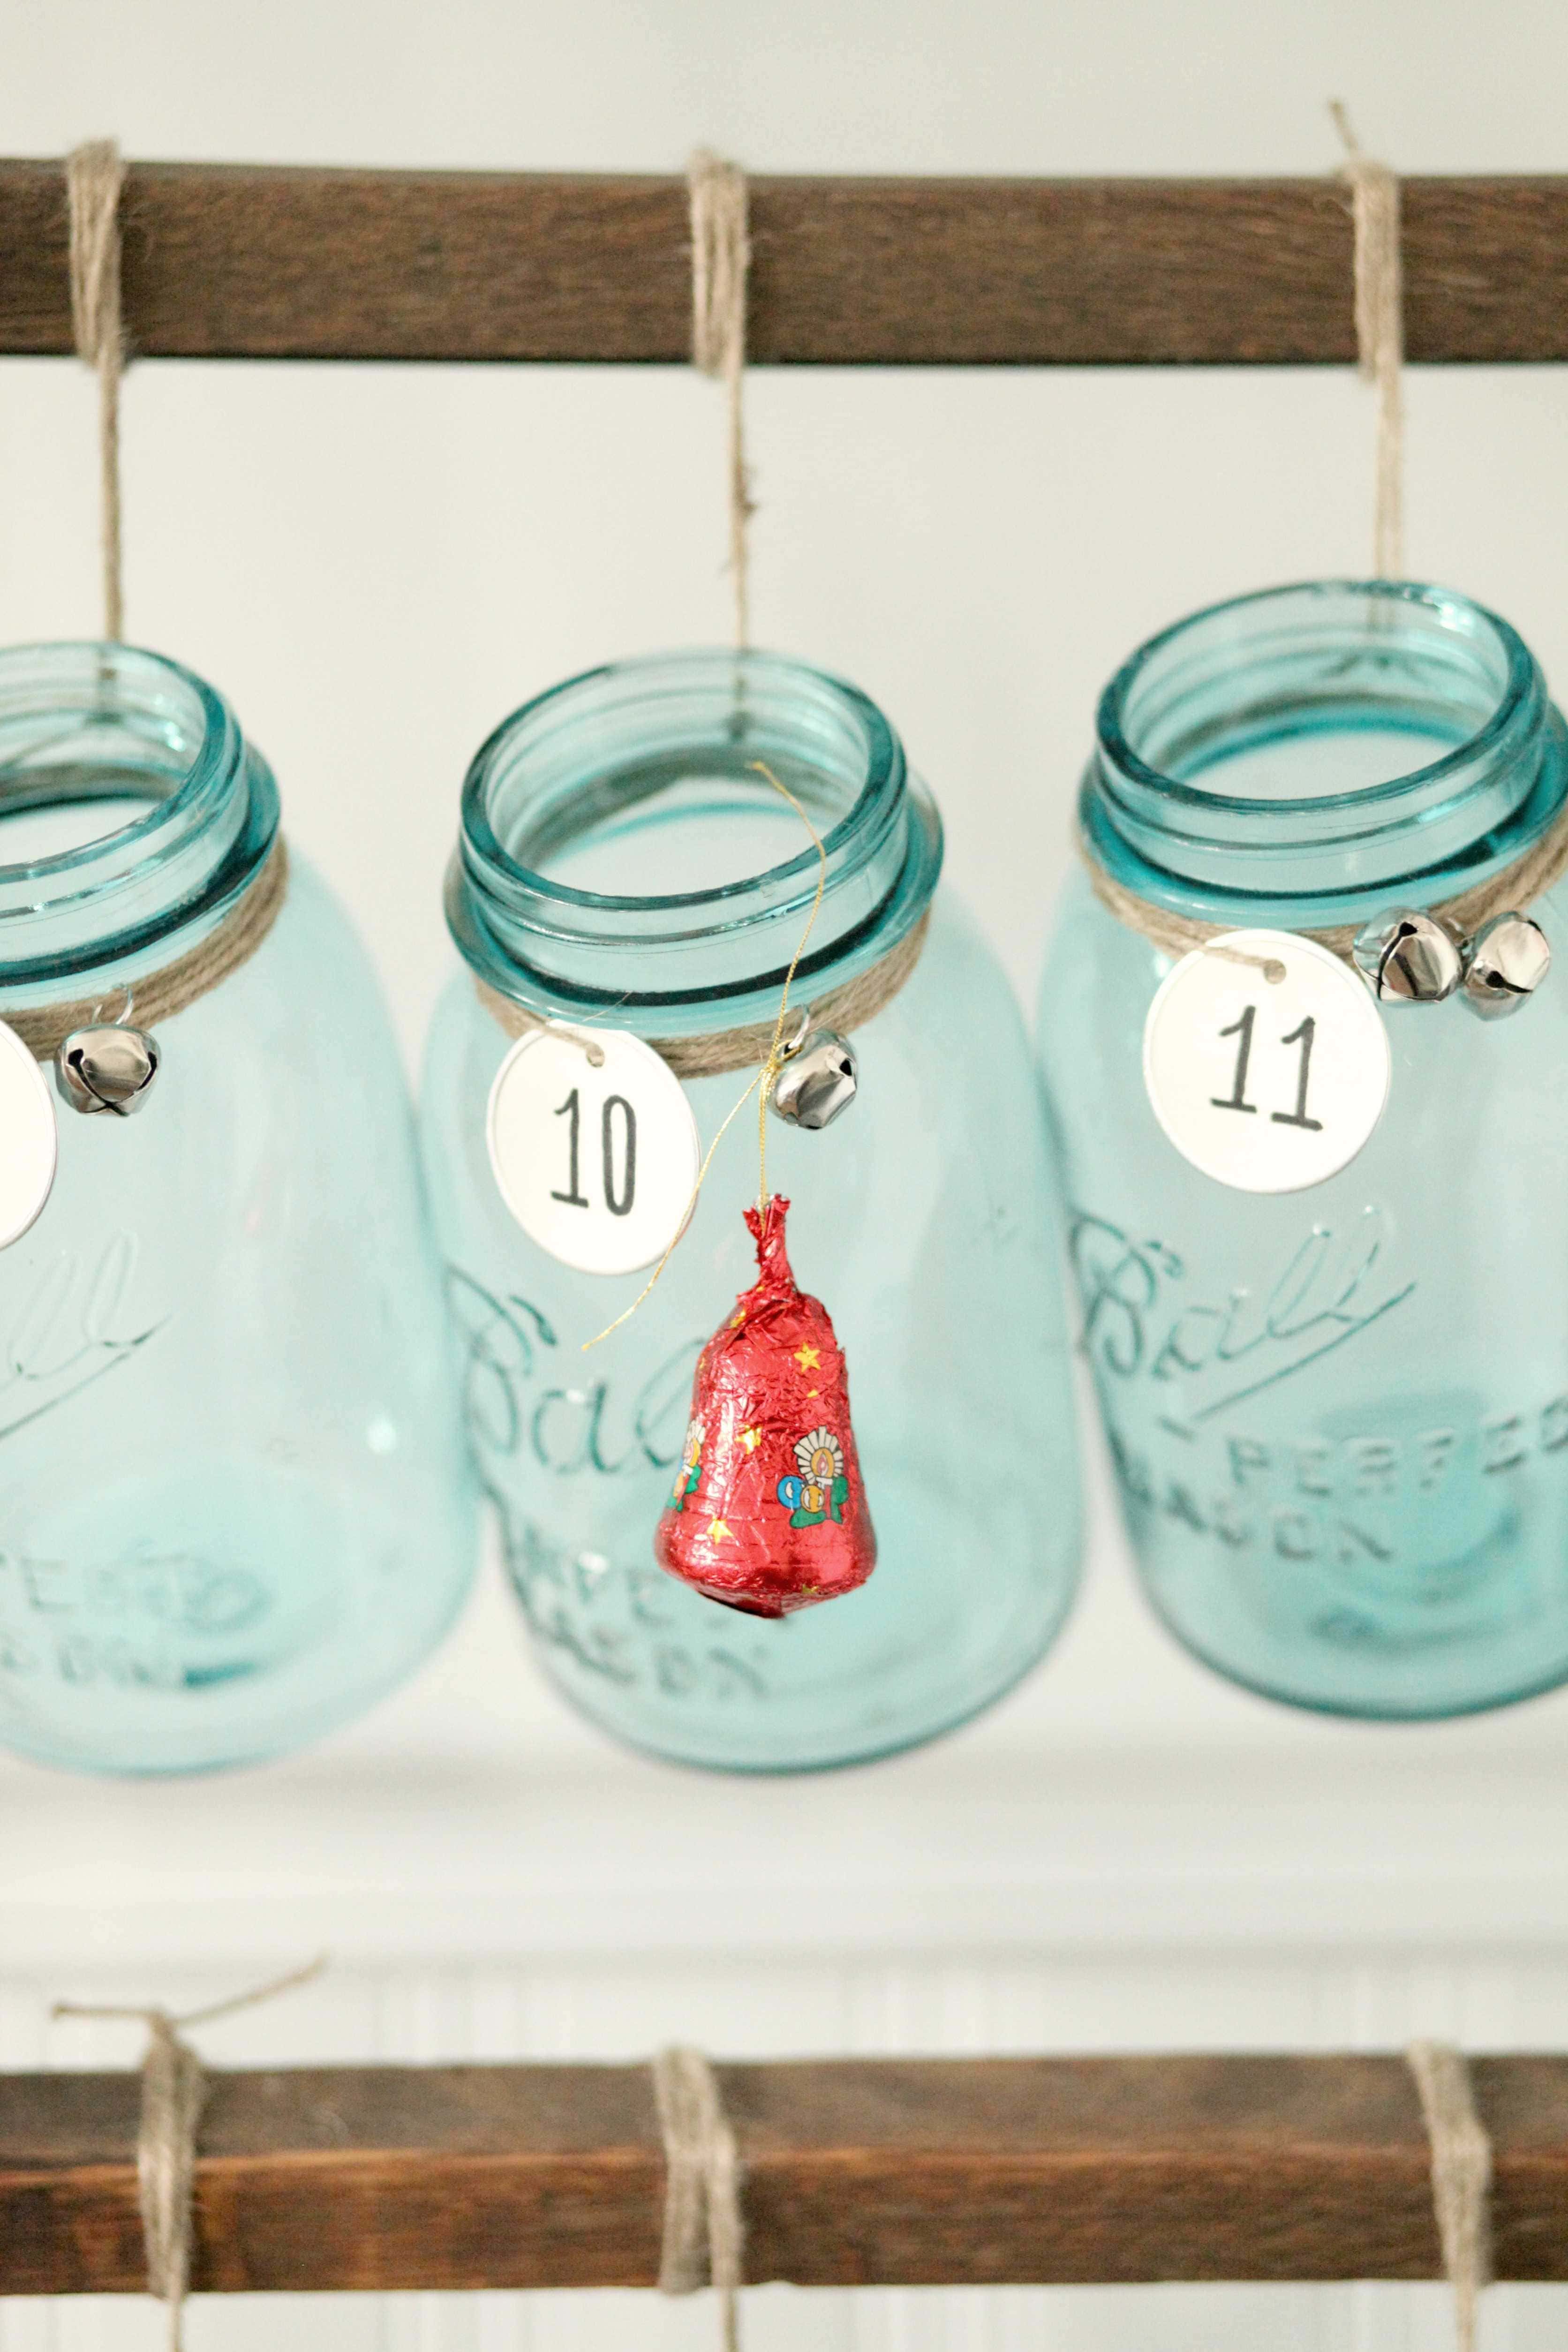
{"points": [[721, 262], [1461, 2175], [704, 2235], [95, 177], [1380, 334], [174, 2093]]}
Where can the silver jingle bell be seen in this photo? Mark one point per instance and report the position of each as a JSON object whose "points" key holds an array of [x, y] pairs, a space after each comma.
{"points": [[109, 1068], [1410, 958], [818, 1078], [1508, 959]]}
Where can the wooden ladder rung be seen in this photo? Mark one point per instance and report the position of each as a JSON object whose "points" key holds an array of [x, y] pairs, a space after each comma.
{"points": [[241, 262], [925, 2171]]}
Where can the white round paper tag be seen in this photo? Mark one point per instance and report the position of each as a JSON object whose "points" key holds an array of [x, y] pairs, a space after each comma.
{"points": [[599, 1166], [28, 1140], [1267, 1061]]}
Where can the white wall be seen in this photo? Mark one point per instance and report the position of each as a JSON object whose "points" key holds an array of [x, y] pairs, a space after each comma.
{"points": [[376, 564]]}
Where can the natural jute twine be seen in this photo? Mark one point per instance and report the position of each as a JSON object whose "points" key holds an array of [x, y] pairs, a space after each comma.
{"points": [[1380, 341], [721, 260], [173, 2093], [43, 1028], [1461, 2175], [1509, 892], [719, 1050], [704, 2235], [94, 178], [1380, 334]]}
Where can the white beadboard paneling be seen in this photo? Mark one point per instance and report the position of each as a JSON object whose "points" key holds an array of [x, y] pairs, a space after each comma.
{"points": [[757, 2003], [1120, 1800], [778, 2006], [1365, 2318]]}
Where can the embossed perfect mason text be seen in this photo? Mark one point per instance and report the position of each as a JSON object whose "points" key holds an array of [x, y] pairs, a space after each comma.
{"points": [[1180, 1377], [114, 1619]]}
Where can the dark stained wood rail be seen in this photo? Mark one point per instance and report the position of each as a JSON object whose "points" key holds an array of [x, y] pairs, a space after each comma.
{"points": [[226, 261], [857, 2172]]}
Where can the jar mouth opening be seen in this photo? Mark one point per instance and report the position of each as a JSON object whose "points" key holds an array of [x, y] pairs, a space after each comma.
{"points": [[1306, 754], [85, 720], [632, 744], [1199, 693], [621, 856], [84, 726]]}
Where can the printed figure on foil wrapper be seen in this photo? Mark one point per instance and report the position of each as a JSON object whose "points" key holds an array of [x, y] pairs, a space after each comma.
{"points": [[773, 1365], [626, 864], [821, 1490], [688, 1473]]}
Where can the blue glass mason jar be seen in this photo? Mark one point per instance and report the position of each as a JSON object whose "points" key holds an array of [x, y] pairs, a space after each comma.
{"points": [[1338, 1416], [235, 1506], [622, 865]]}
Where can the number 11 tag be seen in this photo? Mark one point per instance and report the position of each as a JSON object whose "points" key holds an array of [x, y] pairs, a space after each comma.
{"points": [[1267, 1061], [597, 1163]]}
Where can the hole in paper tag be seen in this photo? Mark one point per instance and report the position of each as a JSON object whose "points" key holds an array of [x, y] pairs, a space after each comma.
{"points": [[28, 1141], [597, 1165], [1267, 1061]]}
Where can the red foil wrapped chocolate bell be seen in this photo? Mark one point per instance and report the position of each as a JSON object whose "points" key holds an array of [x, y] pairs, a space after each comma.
{"points": [[768, 1512]]}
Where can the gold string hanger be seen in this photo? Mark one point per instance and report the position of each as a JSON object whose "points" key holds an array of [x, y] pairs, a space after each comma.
{"points": [[765, 1079]]}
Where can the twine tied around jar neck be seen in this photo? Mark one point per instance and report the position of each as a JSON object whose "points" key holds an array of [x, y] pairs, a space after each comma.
{"points": [[174, 2093], [1461, 2175], [720, 264], [704, 2233], [95, 177], [1530, 877], [158, 995], [717, 1053], [1380, 333], [763, 1047]]}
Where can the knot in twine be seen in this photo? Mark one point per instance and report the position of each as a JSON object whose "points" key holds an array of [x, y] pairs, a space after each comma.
{"points": [[703, 2231], [720, 261], [174, 2093], [1380, 333], [95, 176], [1461, 2175]]}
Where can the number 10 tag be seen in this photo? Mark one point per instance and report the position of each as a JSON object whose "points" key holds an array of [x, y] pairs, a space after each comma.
{"points": [[1267, 1061], [597, 1164]]}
